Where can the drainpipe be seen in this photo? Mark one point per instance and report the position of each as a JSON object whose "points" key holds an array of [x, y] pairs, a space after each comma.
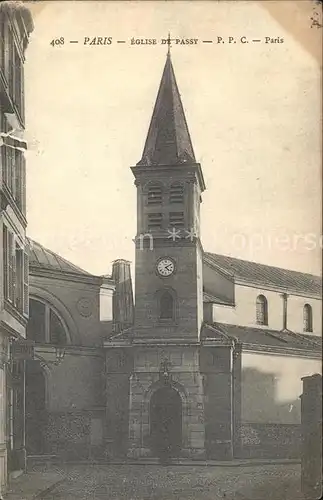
{"points": [[284, 297]]}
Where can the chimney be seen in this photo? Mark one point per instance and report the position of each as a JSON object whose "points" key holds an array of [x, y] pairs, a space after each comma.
{"points": [[284, 297], [123, 306]]}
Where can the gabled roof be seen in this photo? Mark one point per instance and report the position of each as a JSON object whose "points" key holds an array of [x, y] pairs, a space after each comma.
{"points": [[43, 258], [266, 276], [168, 141]]}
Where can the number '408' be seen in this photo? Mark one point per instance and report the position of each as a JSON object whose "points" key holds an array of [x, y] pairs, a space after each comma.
{"points": [[57, 41]]}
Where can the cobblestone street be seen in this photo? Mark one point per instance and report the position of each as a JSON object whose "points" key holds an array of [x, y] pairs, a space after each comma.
{"points": [[152, 482]]}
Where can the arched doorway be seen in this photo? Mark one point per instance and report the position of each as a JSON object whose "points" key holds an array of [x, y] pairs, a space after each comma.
{"points": [[36, 414], [166, 421]]}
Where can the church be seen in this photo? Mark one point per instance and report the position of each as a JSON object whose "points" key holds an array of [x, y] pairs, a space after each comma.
{"points": [[206, 354]]}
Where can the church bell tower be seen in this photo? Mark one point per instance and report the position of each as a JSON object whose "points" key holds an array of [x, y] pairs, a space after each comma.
{"points": [[169, 181], [166, 391]]}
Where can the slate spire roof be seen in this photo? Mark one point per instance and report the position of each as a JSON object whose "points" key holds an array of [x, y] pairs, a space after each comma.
{"points": [[168, 141]]}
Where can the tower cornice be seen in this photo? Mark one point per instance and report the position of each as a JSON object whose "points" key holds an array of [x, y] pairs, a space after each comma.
{"points": [[187, 168]]}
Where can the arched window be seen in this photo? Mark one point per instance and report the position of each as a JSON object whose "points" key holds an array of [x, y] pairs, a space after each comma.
{"points": [[308, 318], [176, 194], [261, 310], [44, 324], [166, 304], [155, 195]]}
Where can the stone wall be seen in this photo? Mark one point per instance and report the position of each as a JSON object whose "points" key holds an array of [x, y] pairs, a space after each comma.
{"points": [[68, 435], [76, 435], [270, 440]]}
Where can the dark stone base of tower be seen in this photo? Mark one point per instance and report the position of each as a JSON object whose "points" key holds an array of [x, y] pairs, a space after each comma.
{"points": [[182, 400]]}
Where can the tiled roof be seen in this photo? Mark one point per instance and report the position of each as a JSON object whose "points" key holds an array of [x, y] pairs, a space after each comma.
{"points": [[265, 337], [168, 140], [42, 258], [263, 275]]}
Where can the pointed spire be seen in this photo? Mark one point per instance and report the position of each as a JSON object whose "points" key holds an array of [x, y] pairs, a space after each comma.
{"points": [[168, 141]]}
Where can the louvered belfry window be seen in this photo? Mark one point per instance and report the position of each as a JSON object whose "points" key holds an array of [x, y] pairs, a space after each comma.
{"points": [[176, 219], [176, 194], [155, 221], [154, 195], [15, 272]]}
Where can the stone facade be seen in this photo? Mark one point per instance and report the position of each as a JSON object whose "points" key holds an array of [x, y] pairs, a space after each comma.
{"points": [[182, 375], [15, 26]]}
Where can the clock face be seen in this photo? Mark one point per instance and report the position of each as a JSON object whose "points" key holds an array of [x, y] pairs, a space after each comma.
{"points": [[165, 267]]}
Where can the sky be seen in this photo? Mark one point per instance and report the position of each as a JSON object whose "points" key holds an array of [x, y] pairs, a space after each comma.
{"points": [[253, 111]]}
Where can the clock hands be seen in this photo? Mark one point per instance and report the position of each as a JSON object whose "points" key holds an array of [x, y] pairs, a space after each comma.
{"points": [[165, 267]]}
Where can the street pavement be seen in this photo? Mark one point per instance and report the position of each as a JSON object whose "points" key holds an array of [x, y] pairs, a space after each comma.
{"points": [[155, 482]]}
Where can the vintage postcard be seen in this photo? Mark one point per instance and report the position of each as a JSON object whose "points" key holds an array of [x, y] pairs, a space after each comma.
{"points": [[160, 250]]}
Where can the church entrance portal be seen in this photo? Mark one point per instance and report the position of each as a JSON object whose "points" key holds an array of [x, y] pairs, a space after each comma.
{"points": [[166, 422]]}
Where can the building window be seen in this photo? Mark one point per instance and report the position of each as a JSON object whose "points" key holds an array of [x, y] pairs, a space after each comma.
{"points": [[308, 318], [15, 76], [262, 310], [176, 194], [18, 82], [155, 221], [14, 175], [44, 324], [2, 43], [154, 195], [20, 181], [10, 56], [176, 219], [19, 278], [166, 304], [15, 265]]}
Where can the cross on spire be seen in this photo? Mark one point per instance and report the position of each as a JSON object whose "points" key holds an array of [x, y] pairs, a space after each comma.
{"points": [[169, 42]]}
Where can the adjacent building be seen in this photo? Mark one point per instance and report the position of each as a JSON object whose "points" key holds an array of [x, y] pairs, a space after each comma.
{"points": [[15, 27], [71, 313]]}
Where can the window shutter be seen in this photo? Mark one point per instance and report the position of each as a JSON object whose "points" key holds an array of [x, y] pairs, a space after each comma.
{"points": [[11, 266], [22, 96], [14, 173], [15, 287], [5, 261], [25, 286], [23, 184]]}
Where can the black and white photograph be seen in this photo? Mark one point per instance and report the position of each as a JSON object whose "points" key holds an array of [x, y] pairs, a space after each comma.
{"points": [[160, 250]]}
